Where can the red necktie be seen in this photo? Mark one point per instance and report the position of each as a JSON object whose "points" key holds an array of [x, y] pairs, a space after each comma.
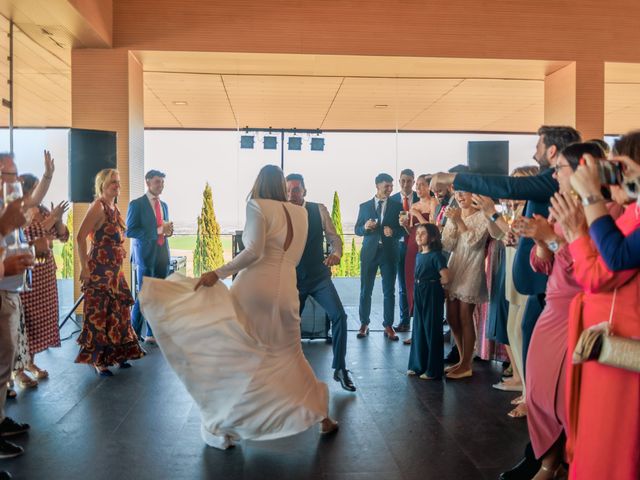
{"points": [[159, 222], [405, 204]]}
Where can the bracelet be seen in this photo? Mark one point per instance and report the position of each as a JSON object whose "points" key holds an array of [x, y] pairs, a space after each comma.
{"points": [[494, 218], [48, 177], [592, 199]]}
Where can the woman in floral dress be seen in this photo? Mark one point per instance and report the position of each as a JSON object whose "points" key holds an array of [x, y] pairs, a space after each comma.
{"points": [[107, 337]]}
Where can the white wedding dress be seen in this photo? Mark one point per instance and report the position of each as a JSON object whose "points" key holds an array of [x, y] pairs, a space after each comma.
{"points": [[238, 350]]}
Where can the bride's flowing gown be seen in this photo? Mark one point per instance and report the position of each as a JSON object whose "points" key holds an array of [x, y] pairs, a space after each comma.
{"points": [[238, 350]]}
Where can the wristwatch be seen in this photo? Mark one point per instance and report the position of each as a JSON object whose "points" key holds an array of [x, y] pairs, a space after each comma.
{"points": [[553, 245], [592, 199], [494, 218]]}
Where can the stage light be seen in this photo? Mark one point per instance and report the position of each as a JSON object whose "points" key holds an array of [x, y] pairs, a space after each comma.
{"points": [[295, 143], [270, 143], [317, 144], [246, 141]]}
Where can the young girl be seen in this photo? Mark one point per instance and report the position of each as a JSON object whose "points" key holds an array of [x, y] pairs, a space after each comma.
{"points": [[431, 274]]}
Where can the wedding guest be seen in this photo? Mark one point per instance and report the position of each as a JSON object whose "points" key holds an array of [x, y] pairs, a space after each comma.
{"points": [[419, 213], [14, 268], [378, 223], [406, 197], [107, 337], [431, 274], [40, 304], [603, 438], [464, 236], [546, 362], [149, 229], [314, 275]]}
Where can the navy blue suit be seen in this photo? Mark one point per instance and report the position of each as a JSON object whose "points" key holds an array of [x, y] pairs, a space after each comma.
{"points": [[149, 258], [402, 253], [537, 190], [380, 252]]}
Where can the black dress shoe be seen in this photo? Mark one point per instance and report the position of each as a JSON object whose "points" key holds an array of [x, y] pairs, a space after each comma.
{"points": [[363, 332], [453, 357], [9, 450], [402, 328], [10, 427], [342, 375], [526, 468]]}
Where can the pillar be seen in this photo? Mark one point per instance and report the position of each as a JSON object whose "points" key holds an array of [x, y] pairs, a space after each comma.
{"points": [[108, 94], [574, 96]]}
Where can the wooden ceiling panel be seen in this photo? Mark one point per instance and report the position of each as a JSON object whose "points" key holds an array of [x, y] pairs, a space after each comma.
{"points": [[622, 107]]}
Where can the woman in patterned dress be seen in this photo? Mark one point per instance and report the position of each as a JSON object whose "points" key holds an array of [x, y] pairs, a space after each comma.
{"points": [[107, 337], [40, 304]]}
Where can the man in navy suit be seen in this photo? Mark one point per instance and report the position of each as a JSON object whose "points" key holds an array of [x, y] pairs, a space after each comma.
{"points": [[537, 191], [148, 227], [378, 222], [405, 197], [314, 275]]}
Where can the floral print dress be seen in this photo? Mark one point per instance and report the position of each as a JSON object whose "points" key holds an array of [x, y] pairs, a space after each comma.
{"points": [[107, 337]]}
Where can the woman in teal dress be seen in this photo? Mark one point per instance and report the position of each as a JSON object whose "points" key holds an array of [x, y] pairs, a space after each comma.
{"points": [[427, 341]]}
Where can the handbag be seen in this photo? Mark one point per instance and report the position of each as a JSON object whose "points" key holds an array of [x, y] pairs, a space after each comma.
{"points": [[600, 344]]}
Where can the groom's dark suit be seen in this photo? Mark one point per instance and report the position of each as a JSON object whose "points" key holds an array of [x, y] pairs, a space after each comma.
{"points": [[378, 251], [149, 257]]}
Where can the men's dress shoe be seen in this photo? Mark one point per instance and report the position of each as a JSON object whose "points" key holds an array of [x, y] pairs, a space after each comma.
{"points": [[453, 357], [9, 450], [5, 475], [407, 341], [363, 332], [10, 427], [402, 328], [328, 427], [390, 333], [342, 375], [526, 469]]}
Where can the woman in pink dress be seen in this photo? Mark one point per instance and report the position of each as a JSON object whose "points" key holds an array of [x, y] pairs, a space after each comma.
{"points": [[546, 362]]}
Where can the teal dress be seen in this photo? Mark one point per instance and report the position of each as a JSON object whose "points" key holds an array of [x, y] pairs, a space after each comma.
{"points": [[427, 341]]}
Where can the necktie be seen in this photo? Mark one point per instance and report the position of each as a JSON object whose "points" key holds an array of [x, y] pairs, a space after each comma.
{"points": [[379, 210], [159, 222], [440, 217], [405, 204]]}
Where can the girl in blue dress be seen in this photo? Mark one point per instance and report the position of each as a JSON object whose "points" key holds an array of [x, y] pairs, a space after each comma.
{"points": [[431, 275]]}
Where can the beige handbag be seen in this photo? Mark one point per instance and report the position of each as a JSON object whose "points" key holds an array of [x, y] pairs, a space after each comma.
{"points": [[599, 343]]}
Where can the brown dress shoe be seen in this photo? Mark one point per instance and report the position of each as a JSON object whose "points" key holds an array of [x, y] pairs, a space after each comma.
{"points": [[390, 333], [363, 332], [402, 328]]}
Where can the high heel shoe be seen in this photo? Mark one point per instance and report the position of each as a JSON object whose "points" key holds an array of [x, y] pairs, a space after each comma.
{"points": [[24, 380], [39, 373], [327, 426], [103, 371]]}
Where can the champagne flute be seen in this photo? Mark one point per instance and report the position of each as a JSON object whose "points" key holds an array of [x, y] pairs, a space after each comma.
{"points": [[507, 212], [12, 191]]}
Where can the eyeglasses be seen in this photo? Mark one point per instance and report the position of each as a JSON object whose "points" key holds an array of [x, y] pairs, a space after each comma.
{"points": [[557, 167]]}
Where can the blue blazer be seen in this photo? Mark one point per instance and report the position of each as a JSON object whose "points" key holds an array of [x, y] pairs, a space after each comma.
{"points": [[538, 191], [143, 231], [371, 239]]}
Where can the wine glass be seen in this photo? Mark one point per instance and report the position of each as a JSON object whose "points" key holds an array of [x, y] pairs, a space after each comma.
{"points": [[508, 212]]}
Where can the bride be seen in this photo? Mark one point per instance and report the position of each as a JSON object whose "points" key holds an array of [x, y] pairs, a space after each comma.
{"points": [[238, 350]]}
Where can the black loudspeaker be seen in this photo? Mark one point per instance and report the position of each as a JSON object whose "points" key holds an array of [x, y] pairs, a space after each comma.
{"points": [[89, 152], [489, 158]]}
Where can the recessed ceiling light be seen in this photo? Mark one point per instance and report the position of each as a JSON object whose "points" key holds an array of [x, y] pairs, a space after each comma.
{"points": [[180, 102], [380, 106]]}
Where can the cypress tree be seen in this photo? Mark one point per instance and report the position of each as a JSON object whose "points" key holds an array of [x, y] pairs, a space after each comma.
{"points": [[354, 259], [341, 269], [67, 250], [209, 251]]}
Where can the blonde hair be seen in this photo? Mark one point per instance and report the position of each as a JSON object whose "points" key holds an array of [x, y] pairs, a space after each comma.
{"points": [[526, 171], [270, 184], [101, 178]]}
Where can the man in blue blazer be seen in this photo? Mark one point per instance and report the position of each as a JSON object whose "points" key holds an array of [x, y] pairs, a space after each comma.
{"points": [[537, 191], [378, 222], [405, 197], [148, 227]]}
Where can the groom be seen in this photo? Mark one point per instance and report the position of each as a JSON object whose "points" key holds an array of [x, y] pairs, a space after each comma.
{"points": [[148, 227], [314, 276]]}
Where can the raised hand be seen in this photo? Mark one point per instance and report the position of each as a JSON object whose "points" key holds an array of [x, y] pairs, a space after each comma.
{"points": [[570, 215], [49, 165], [483, 203], [58, 211]]}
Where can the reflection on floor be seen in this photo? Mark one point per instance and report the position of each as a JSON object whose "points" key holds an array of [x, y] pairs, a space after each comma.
{"points": [[141, 424]]}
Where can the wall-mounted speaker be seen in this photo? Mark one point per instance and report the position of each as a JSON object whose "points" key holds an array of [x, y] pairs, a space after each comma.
{"points": [[89, 152], [489, 158]]}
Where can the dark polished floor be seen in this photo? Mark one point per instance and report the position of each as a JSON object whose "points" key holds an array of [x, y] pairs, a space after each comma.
{"points": [[141, 424]]}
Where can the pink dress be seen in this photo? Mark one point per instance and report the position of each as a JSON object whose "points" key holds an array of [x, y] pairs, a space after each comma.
{"points": [[546, 366]]}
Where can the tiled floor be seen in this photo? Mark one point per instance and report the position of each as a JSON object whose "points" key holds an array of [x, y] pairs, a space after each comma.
{"points": [[141, 424]]}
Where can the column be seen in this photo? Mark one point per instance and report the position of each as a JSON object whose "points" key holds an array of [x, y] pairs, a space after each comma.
{"points": [[574, 96], [107, 94]]}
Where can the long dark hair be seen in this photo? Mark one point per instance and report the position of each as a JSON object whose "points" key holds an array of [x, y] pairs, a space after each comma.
{"points": [[434, 242]]}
